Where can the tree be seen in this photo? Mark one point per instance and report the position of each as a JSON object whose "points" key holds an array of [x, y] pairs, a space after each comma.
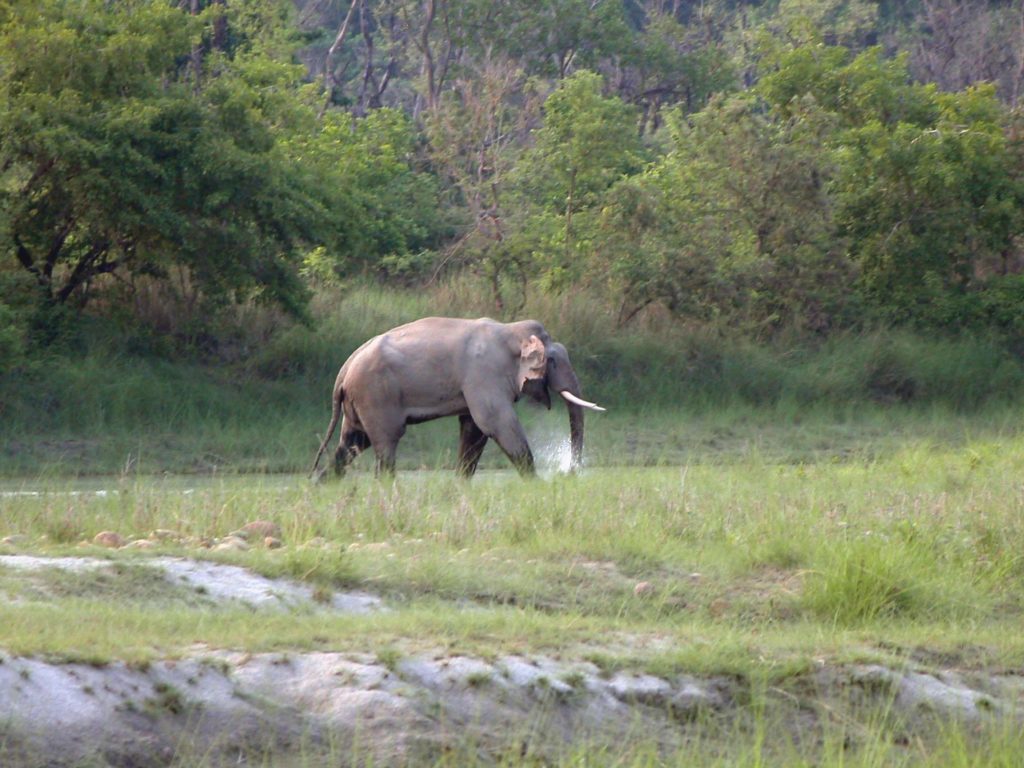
{"points": [[733, 224], [384, 206], [474, 135], [928, 187], [956, 44], [113, 166], [931, 212], [674, 64], [587, 142]]}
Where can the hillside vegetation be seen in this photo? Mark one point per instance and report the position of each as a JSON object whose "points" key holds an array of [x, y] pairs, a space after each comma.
{"points": [[750, 171]]}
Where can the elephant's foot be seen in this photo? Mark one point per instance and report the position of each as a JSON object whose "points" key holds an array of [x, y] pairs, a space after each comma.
{"points": [[524, 464]]}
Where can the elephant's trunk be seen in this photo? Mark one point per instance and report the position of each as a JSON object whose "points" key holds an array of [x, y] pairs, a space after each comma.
{"points": [[562, 379], [575, 436]]}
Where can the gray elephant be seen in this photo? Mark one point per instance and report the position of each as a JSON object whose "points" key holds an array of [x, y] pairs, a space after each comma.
{"points": [[441, 366]]}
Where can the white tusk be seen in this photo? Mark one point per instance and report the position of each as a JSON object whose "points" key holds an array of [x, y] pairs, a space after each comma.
{"points": [[577, 401]]}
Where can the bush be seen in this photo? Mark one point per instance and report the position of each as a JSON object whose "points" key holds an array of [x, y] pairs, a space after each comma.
{"points": [[873, 576], [12, 338]]}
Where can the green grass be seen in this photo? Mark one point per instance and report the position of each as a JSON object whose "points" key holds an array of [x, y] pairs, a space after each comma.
{"points": [[262, 405], [810, 556], [761, 570], [790, 505]]}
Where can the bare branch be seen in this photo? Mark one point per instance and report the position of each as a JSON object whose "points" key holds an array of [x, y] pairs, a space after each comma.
{"points": [[339, 40]]}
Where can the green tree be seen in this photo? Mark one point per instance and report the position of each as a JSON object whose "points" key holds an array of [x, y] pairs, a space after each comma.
{"points": [[733, 225], [587, 142], [674, 64], [386, 208], [928, 189], [931, 212], [113, 165]]}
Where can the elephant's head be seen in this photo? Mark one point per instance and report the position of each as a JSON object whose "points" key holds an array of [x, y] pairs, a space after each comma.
{"points": [[546, 368]]}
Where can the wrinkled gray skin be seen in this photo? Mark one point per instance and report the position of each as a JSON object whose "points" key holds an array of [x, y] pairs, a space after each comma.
{"points": [[439, 366]]}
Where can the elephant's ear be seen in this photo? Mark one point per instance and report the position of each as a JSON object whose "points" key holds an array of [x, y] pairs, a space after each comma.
{"points": [[532, 361]]}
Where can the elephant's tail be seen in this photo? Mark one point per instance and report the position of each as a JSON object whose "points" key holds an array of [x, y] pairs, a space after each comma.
{"points": [[336, 400]]}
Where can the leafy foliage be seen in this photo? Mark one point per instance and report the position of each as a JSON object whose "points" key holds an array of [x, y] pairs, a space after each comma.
{"points": [[115, 165], [586, 143], [763, 169], [738, 216]]}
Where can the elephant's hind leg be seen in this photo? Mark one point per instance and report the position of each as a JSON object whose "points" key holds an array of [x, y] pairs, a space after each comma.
{"points": [[352, 443], [385, 437], [472, 442], [385, 457]]}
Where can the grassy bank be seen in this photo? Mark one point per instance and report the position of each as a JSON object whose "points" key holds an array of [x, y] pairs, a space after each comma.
{"points": [[823, 559], [108, 401], [756, 570]]}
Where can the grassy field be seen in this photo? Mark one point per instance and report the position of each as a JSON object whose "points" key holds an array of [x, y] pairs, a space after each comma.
{"points": [[898, 544], [757, 512], [825, 558]]}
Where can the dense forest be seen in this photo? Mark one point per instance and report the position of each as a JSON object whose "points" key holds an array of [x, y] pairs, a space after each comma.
{"points": [[788, 166]]}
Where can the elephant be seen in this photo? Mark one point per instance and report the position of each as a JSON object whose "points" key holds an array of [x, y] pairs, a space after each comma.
{"points": [[442, 366]]}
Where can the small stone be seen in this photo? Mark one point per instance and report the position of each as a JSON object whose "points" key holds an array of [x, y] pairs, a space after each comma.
{"points": [[14, 540], [692, 699], [259, 529], [109, 539], [641, 689], [271, 543], [140, 544], [231, 544], [643, 589]]}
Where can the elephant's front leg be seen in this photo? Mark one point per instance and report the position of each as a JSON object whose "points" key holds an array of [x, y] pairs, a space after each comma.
{"points": [[500, 422], [472, 442]]}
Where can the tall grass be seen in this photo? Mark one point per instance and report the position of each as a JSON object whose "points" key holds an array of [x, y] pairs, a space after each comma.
{"points": [[659, 362], [920, 539], [263, 405]]}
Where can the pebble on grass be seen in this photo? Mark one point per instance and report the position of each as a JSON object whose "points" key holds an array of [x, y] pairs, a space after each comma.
{"points": [[110, 539]]}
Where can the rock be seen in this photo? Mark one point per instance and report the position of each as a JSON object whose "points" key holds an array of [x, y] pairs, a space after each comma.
{"points": [[643, 589], [109, 539], [640, 689], [15, 540], [259, 529], [140, 544], [692, 698], [231, 544], [537, 677]]}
